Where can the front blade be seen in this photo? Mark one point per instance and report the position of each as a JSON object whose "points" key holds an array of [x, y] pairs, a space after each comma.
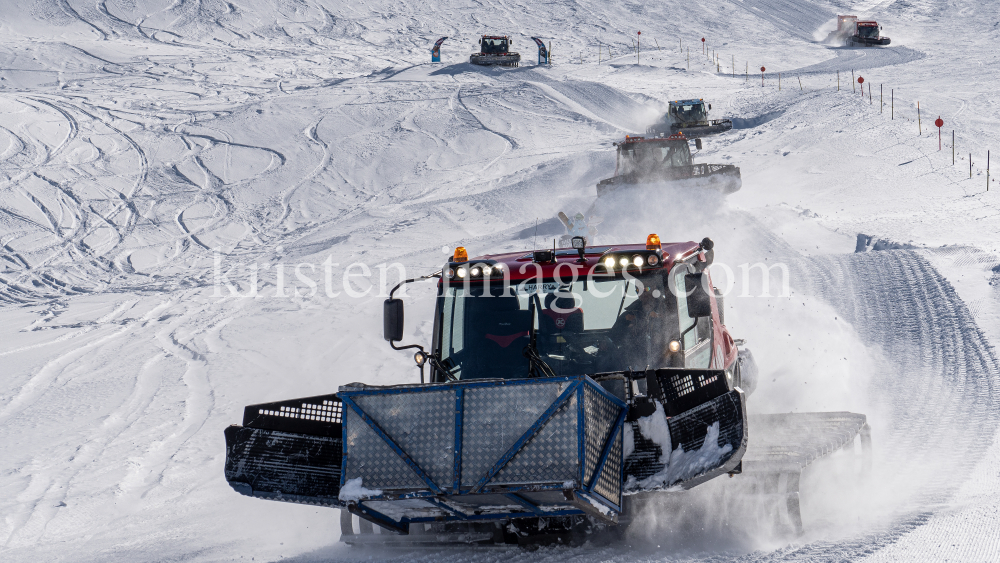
{"points": [[283, 466], [290, 451], [701, 443]]}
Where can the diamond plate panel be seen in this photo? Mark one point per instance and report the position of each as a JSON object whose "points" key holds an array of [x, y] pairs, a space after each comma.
{"points": [[600, 415], [551, 455], [609, 482], [368, 456], [422, 424], [495, 417]]}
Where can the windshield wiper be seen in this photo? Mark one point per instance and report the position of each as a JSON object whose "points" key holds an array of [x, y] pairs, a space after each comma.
{"points": [[624, 294], [536, 365]]}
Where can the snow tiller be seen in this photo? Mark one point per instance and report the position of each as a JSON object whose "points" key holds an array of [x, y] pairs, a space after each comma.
{"points": [[667, 160], [562, 382], [494, 50]]}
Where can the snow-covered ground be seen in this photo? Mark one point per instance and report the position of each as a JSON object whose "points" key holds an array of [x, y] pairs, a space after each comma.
{"points": [[148, 147]]}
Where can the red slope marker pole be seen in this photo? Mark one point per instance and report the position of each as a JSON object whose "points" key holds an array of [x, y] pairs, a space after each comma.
{"points": [[939, 122], [762, 76]]}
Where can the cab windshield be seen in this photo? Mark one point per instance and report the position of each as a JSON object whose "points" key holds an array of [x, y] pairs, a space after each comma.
{"points": [[584, 327], [494, 46], [644, 158], [868, 31], [689, 112]]}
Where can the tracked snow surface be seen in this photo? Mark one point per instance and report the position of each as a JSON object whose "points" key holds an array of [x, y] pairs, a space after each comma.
{"points": [[202, 202]]}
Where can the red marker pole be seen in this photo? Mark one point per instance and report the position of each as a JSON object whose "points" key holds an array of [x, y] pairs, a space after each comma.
{"points": [[703, 51], [762, 77], [940, 123], [639, 34], [861, 81]]}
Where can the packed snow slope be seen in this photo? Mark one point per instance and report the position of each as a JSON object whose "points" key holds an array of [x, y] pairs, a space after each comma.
{"points": [[155, 156]]}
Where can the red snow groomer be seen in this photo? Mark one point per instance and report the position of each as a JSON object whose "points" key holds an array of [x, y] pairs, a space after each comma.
{"points": [[494, 50], [853, 32], [563, 383], [652, 161]]}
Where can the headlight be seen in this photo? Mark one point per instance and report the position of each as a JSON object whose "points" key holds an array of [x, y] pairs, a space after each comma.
{"points": [[462, 272], [420, 357], [637, 260], [674, 346], [449, 273], [624, 261], [475, 271], [609, 262], [487, 270], [653, 260]]}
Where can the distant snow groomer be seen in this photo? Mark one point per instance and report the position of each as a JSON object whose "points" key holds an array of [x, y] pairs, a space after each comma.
{"points": [[660, 160], [850, 31], [494, 50], [691, 118]]}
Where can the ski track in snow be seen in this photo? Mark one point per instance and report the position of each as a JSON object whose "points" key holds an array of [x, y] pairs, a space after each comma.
{"points": [[137, 139]]}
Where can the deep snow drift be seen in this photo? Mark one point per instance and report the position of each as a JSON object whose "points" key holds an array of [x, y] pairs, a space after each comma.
{"points": [[156, 156]]}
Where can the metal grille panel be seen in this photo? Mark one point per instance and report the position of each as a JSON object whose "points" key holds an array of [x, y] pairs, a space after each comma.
{"points": [[495, 417], [551, 456], [600, 414], [368, 456], [422, 424], [316, 416], [609, 482], [682, 384]]}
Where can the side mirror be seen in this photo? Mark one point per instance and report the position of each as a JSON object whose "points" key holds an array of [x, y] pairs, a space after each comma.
{"points": [[697, 144], [392, 319], [709, 106], [699, 302], [480, 41]]}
